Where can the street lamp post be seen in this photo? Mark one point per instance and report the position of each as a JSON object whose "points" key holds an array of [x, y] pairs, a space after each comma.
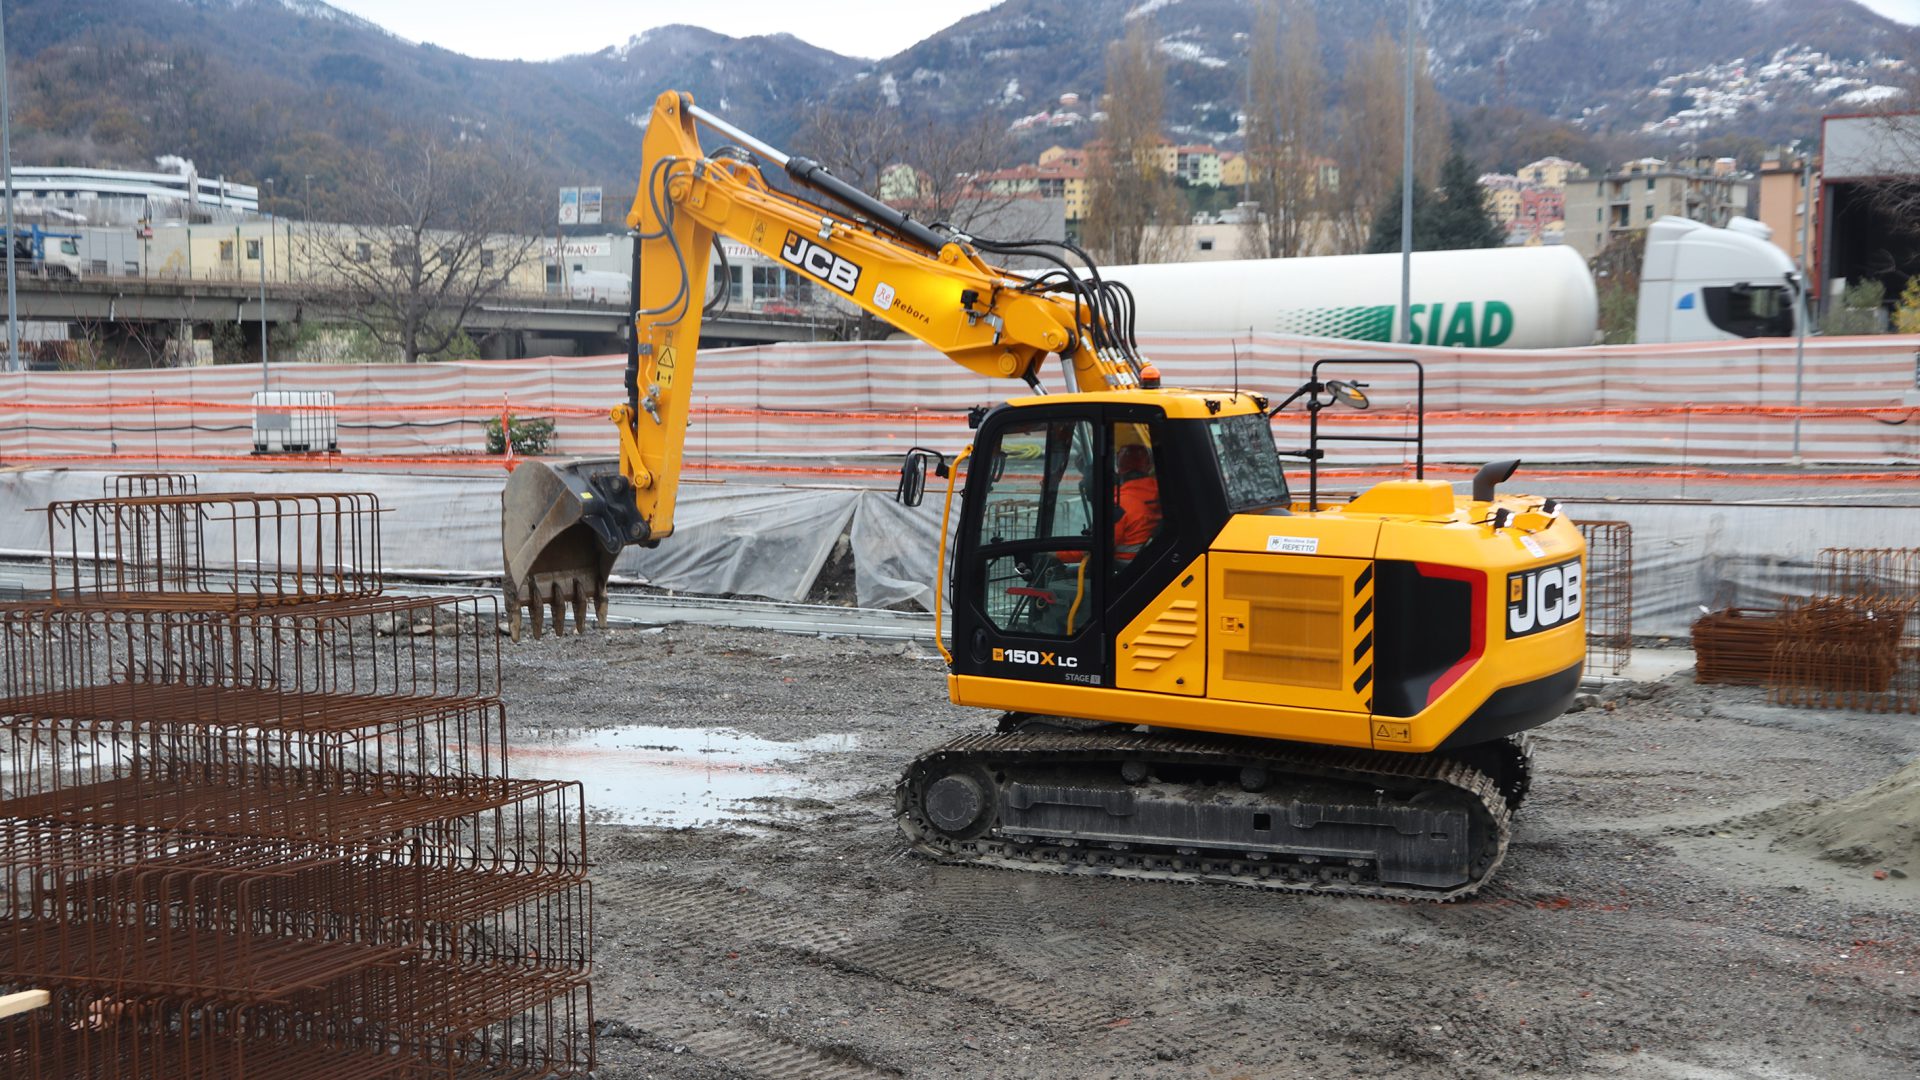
{"points": [[1406, 196], [6, 164], [272, 249], [265, 382]]}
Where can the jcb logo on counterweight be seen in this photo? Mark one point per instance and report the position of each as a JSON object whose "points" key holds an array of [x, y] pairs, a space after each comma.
{"points": [[1034, 658], [1543, 598], [820, 262]]}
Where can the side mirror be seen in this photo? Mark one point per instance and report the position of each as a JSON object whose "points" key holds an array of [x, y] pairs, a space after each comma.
{"points": [[1348, 394], [913, 475]]}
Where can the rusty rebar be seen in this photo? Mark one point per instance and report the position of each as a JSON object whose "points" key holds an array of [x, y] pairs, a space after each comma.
{"points": [[1607, 601], [255, 815], [1736, 645], [1857, 645], [241, 548], [134, 485]]}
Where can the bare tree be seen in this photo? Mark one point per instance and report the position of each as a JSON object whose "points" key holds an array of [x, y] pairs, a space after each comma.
{"points": [[1895, 195], [437, 233], [1286, 123], [931, 171], [858, 144], [948, 165], [1132, 202], [1372, 127]]}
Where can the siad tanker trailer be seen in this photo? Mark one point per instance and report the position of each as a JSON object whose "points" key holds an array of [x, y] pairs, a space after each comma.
{"points": [[1700, 283], [1493, 298]]}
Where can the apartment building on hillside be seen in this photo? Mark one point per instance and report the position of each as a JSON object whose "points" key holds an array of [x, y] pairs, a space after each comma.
{"points": [[1707, 190]]}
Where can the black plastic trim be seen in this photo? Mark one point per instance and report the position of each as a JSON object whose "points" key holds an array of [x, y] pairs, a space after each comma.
{"points": [[1517, 708]]}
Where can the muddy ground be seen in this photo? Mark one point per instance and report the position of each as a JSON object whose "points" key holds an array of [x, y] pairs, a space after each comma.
{"points": [[1647, 921]]}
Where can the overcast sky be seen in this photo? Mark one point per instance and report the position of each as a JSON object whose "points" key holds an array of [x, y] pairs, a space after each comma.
{"points": [[518, 30]]}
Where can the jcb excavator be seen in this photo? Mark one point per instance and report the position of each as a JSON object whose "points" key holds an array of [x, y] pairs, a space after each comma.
{"points": [[1242, 688]]}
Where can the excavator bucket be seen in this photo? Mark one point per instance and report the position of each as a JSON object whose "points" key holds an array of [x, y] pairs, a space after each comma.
{"points": [[562, 525]]}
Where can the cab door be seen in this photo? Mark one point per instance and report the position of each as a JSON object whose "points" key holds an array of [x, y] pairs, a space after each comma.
{"points": [[1030, 577]]}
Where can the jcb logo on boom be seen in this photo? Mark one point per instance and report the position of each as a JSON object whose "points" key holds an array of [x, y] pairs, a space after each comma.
{"points": [[1036, 659], [820, 262], [1543, 598]]}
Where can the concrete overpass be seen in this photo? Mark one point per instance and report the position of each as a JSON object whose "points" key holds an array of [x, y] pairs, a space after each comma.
{"points": [[513, 325]]}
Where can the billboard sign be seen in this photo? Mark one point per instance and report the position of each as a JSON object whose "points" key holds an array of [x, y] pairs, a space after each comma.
{"points": [[589, 206], [587, 248], [569, 206]]}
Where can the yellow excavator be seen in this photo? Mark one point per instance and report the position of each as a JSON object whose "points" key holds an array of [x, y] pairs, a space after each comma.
{"points": [[1199, 676]]}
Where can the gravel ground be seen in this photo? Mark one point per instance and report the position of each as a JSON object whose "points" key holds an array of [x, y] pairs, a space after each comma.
{"points": [[1648, 922]]}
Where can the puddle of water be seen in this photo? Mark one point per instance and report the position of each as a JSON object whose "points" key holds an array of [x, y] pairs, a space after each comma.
{"points": [[645, 775]]}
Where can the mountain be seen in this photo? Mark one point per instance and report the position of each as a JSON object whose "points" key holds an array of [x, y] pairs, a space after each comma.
{"points": [[760, 83], [291, 89], [1594, 62]]}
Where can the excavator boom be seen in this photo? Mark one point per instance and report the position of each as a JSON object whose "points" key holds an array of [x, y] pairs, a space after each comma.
{"points": [[564, 524]]}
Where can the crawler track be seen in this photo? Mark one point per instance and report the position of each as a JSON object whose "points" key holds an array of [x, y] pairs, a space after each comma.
{"points": [[1191, 808]]}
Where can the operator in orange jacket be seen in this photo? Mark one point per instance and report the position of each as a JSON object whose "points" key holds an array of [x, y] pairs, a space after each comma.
{"points": [[1138, 495], [1136, 499]]}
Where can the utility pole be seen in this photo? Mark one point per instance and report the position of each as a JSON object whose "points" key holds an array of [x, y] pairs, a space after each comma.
{"points": [[1804, 310], [1406, 197], [6, 163], [265, 382]]}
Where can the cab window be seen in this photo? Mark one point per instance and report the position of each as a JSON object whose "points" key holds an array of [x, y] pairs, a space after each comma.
{"points": [[1034, 528], [1249, 464], [1750, 311], [1137, 516]]}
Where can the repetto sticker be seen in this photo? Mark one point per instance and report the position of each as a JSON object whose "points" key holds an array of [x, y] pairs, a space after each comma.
{"points": [[1533, 547], [1294, 545], [883, 295]]}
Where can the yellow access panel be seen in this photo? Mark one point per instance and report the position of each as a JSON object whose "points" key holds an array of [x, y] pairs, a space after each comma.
{"points": [[1162, 650], [1290, 628]]}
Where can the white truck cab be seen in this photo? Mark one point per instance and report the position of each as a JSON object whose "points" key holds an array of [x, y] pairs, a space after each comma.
{"points": [[1699, 283]]}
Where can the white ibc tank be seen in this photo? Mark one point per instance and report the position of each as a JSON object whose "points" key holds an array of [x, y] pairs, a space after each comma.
{"points": [[1505, 298]]}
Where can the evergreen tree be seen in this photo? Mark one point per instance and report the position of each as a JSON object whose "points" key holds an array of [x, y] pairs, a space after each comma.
{"points": [[1385, 236], [1451, 218], [1461, 220]]}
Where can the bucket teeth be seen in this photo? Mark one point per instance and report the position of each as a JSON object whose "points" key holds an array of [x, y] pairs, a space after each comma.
{"points": [[531, 605], [562, 526]]}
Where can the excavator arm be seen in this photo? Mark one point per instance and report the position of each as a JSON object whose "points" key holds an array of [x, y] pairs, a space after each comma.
{"points": [[563, 524]]}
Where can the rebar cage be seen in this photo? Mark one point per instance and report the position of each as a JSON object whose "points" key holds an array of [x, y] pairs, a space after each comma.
{"points": [[235, 548], [257, 820], [1856, 645], [1607, 603]]}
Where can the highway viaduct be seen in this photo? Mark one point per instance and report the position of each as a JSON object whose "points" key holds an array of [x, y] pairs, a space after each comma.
{"points": [[510, 326]]}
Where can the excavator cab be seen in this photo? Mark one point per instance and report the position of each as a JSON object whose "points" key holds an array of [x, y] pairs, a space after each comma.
{"points": [[1066, 534]]}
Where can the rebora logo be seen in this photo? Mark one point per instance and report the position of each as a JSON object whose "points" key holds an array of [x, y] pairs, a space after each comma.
{"points": [[1448, 325]]}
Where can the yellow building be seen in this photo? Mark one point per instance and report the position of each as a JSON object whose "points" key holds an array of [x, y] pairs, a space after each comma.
{"points": [[1552, 172], [1049, 180], [1233, 169], [1061, 155], [1503, 197]]}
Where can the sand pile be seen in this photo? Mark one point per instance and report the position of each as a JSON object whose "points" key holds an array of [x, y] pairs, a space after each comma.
{"points": [[1879, 826]]}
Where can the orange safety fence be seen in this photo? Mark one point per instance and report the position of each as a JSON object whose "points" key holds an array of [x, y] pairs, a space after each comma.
{"points": [[1893, 414], [694, 466], [1656, 410]]}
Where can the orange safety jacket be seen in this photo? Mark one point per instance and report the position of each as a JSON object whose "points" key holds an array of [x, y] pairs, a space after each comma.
{"points": [[1139, 517]]}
